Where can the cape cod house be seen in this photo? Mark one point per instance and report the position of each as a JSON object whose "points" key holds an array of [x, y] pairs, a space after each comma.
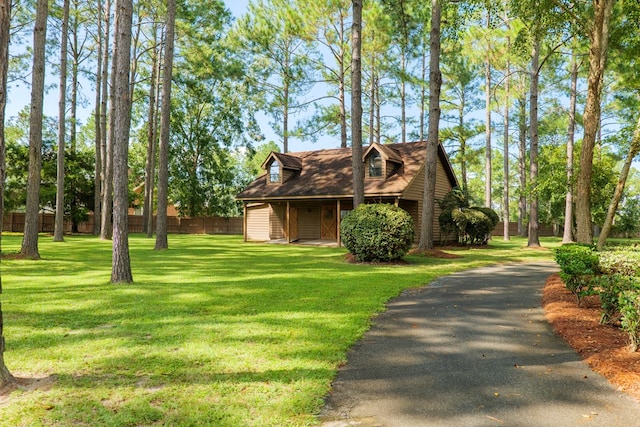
{"points": [[303, 196]]}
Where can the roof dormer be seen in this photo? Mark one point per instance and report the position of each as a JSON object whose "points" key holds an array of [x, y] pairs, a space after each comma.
{"points": [[281, 167], [381, 162]]}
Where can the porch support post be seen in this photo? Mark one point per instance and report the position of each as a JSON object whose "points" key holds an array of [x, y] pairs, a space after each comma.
{"points": [[338, 231], [244, 221], [397, 202], [288, 222]]}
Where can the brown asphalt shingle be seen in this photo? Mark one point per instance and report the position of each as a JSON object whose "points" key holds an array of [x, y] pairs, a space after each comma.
{"points": [[325, 173]]}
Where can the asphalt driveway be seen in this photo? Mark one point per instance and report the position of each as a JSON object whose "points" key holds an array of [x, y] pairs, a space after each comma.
{"points": [[472, 349]]}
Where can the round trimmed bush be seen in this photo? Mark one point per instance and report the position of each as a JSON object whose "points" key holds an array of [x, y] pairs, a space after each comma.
{"points": [[377, 232]]}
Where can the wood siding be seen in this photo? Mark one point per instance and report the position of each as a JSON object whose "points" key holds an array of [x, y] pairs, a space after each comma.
{"points": [[309, 216], [286, 174], [413, 208], [415, 190], [258, 223], [277, 220]]}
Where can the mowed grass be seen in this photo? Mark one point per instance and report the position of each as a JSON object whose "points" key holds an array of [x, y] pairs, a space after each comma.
{"points": [[214, 331]]}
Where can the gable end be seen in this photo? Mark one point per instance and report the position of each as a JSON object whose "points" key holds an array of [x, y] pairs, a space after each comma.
{"points": [[281, 167], [381, 162]]}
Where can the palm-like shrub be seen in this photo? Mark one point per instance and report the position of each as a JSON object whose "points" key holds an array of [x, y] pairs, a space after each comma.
{"points": [[470, 225]]}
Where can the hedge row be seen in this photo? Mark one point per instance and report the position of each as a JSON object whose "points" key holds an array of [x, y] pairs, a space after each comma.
{"points": [[613, 274]]}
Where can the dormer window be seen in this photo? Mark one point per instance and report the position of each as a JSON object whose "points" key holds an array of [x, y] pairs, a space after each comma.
{"points": [[274, 172], [375, 164], [280, 168]]}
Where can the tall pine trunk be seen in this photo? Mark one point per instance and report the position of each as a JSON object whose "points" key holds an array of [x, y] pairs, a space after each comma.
{"points": [[165, 128], [105, 149], [6, 379], [617, 195], [505, 149], [403, 97], [356, 104], [487, 131], [150, 164], [31, 226], [423, 85], [372, 102], [107, 205], [58, 231], [73, 110], [567, 235], [534, 239], [97, 181], [522, 165], [342, 88], [121, 264], [435, 85], [597, 58], [463, 149]]}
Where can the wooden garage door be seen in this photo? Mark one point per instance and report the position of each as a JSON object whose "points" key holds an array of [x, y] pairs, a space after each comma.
{"points": [[258, 223]]}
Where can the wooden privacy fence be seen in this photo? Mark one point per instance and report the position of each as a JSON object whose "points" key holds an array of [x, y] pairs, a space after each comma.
{"points": [[14, 222], [543, 230]]}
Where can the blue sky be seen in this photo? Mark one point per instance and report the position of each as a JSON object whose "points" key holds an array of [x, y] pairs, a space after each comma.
{"points": [[237, 7]]}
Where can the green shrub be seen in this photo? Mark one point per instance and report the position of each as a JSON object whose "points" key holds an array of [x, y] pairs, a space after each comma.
{"points": [[452, 200], [609, 287], [578, 265], [629, 303], [377, 232], [490, 213], [624, 261], [472, 225], [613, 274], [477, 226], [469, 225]]}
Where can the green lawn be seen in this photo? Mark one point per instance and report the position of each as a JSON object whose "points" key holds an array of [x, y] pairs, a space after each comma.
{"points": [[213, 331]]}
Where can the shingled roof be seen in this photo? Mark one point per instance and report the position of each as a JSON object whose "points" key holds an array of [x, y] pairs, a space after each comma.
{"points": [[328, 174], [286, 160]]}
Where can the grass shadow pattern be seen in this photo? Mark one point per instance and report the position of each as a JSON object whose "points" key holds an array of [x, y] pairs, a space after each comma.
{"points": [[212, 332]]}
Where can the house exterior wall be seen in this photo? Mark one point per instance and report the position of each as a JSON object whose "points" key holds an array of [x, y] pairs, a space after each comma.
{"points": [[286, 174], [258, 222], [415, 191], [309, 211], [413, 208], [277, 217], [309, 217]]}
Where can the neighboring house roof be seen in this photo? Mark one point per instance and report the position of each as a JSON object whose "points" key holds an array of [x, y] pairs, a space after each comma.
{"points": [[328, 173]]}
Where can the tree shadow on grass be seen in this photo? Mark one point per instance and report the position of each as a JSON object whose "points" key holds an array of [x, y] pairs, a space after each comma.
{"points": [[26, 384]]}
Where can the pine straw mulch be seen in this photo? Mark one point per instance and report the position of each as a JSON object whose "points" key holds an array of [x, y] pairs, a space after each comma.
{"points": [[435, 253], [605, 348]]}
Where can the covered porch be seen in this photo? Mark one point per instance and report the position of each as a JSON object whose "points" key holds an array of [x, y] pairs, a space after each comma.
{"points": [[308, 222]]}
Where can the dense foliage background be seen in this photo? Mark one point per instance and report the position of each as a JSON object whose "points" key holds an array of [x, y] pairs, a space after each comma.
{"points": [[279, 74]]}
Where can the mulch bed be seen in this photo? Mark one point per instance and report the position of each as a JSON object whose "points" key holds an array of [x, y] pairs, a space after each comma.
{"points": [[434, 253], [605, 348]]}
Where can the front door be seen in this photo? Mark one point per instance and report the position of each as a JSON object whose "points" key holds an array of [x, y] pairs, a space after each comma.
{"points": [[329, 226]]}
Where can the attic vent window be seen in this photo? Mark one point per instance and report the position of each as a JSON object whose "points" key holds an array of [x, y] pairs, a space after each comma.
{"points": [[375, 164], [274, 172]]}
